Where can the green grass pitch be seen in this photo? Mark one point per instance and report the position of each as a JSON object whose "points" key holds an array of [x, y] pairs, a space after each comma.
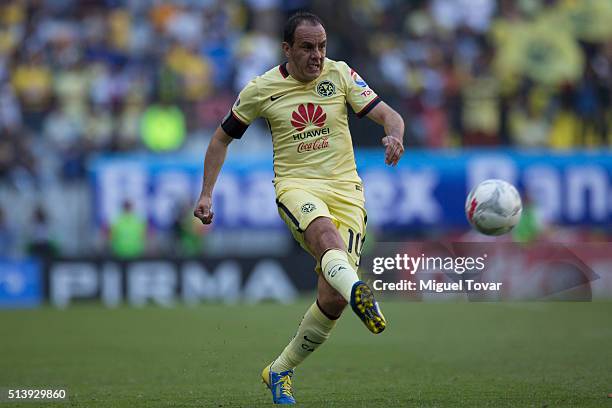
{"points": [[432, 355]]}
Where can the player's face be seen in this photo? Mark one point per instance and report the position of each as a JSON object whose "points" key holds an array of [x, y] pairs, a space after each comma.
{"points": [[307, 54]]}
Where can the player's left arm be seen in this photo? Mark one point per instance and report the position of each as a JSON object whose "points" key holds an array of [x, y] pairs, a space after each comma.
{"points": [[393, 123]]}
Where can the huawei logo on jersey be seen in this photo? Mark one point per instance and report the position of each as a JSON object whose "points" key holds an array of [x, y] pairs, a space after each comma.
{"points": [[308, 114]]}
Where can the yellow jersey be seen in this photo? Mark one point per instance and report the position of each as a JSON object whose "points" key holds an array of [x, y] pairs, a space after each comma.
{"points": [[308, 121]]}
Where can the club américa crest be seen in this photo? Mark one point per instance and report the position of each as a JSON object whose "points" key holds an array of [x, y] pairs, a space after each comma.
{"points": [[326, 88]]}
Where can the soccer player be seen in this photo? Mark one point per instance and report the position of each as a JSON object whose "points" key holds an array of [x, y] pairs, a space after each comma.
{"points": [[318, 192]]}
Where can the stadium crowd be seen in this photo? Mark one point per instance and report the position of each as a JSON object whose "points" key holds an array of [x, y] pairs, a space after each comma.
{"points": [[85, 77]]}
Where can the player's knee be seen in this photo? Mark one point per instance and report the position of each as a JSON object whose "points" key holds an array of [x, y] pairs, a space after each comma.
{"points": [[322, 235]]}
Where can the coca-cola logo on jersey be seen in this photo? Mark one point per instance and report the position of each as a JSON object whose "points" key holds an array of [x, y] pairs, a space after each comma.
{"points": [[309, 114], [318, 144]]}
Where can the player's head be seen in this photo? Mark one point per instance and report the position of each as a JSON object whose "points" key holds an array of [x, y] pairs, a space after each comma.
{"points": [[304, 45]]}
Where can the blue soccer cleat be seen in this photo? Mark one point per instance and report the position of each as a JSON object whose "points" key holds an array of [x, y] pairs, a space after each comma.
{"points": [[366, 307], [279, 384]]}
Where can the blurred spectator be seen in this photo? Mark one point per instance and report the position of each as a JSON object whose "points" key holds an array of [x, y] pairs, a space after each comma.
{"points": [[7, 237], [128, 234], [193, 71], [481, 105], [530, 227], [528, 121], [188, 232], [17, 163], [40, 242], [256, 53], [32, 82], [10, 110], [163, 127]]}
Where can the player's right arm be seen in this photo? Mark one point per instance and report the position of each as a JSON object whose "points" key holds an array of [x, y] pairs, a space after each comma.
{"points": [[213, 161], [244, 111]]}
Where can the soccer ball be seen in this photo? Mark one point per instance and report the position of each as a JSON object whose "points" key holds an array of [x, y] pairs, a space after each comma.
{"points": [[493, 207]]}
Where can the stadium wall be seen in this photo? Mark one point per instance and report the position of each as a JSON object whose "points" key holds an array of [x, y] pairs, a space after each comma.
{"points": [[427, 189], [64, 282]]}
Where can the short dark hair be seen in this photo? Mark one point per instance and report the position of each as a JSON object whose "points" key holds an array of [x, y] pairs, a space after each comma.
{"points": [[295, 20]]}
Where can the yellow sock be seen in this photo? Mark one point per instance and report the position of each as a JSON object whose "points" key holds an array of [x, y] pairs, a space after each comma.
{"points": [[338, 272], [312, 332]]}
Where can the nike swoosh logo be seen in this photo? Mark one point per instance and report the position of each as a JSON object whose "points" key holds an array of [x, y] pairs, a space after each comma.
{"points": [[273, 98], [313, 342]]}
